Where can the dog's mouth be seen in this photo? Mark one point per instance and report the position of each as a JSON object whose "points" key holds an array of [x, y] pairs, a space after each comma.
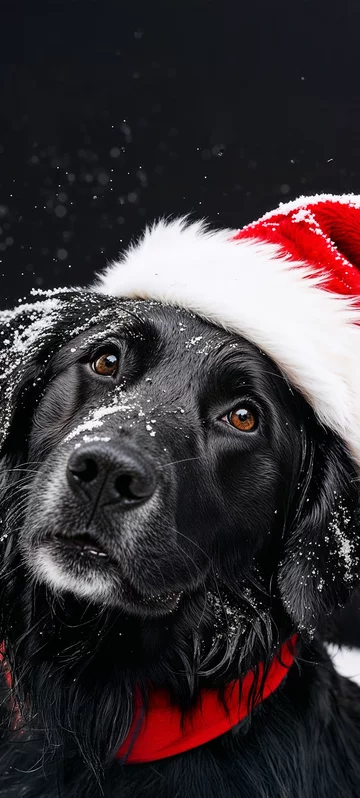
{"points": [[87, 556], [83, 545]]}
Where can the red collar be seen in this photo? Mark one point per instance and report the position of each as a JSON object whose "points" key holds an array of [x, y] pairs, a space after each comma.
{"points": [[161, 733]]}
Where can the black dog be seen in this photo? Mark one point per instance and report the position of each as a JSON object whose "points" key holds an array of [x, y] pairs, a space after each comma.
{"points": [[172, 513]]}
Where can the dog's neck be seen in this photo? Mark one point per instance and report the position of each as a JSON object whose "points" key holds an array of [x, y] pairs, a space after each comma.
{"points": [[163, 731]]}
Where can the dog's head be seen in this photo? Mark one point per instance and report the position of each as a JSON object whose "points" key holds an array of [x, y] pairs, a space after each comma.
{"points": [[162, 472], [154, 452]]}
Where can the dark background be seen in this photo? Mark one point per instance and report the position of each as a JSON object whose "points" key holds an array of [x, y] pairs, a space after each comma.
{"points": [[112, 114]]}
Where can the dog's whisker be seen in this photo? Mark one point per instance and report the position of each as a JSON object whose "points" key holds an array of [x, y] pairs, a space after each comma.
{"points": [[9, 469], [193, 543], [176, 462], [186, 554]]}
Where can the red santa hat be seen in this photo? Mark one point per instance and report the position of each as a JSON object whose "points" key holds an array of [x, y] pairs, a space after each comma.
{"points": [[290, 283]]}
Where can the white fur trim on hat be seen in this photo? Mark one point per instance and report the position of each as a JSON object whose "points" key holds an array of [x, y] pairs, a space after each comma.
{"points": [[250, 288]]}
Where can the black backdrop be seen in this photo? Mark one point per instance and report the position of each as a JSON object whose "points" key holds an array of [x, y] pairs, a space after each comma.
{"points": [[114, 113]]}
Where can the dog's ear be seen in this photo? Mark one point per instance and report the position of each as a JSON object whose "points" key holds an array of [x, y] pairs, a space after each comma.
{"points": [[31, 333], [319, 567], [24, 331]]}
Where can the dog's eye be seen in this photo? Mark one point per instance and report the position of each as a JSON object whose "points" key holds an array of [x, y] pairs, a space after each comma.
{"points": [[242, 418], [106, 364]]}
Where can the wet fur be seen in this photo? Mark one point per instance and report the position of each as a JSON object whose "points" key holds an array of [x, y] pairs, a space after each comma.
{"points": [[251, 517]]}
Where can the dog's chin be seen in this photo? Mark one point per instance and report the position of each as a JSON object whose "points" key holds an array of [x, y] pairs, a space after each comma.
{"points": [[90, 574]]}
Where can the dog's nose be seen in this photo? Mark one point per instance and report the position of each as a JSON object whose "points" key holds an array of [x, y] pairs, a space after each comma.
{"points": [[111, 474]]}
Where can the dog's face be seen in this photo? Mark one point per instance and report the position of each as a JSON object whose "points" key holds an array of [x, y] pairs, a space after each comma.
{"points": [[160, 451], [166, 458]]}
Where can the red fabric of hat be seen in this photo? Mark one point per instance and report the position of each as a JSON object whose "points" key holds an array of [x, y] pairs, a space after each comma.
{"points": [[323, 231]]}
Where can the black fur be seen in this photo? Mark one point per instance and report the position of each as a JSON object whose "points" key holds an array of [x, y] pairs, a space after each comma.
{"points": [[261, 523]]}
